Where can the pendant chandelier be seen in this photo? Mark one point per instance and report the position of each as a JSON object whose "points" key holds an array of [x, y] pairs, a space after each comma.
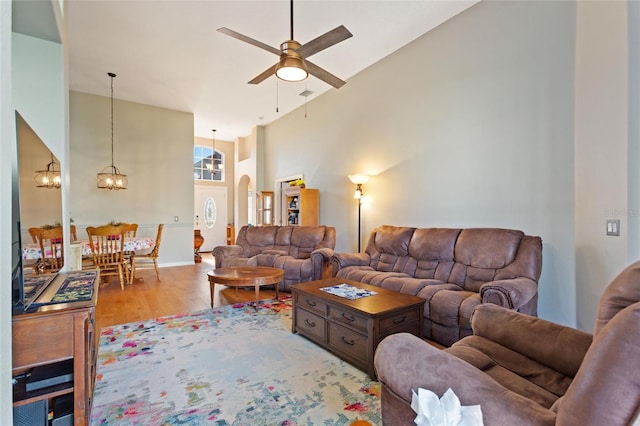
{"points": [[49, 178], [110, 177]]}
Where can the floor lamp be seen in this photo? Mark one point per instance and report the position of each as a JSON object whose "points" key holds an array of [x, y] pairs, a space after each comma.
{"points": [[359, 180]]}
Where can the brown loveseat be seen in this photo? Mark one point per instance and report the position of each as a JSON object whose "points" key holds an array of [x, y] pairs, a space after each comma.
{"points": [[526, 371], [303, 252], [454, 270]]}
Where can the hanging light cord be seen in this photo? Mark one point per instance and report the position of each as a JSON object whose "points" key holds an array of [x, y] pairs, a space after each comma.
{"points": [[291, 19], [112, 75]]}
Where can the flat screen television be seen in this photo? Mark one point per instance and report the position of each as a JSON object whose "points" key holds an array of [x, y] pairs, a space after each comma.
{"points": [[17, 294], [30, 206]]}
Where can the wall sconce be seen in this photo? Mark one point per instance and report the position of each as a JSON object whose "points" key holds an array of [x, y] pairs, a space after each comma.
{"points": [[359, 180], [49, 178]]}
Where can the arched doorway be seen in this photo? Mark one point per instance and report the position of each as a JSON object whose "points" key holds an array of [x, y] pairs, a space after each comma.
{"points": [[245, 201]]}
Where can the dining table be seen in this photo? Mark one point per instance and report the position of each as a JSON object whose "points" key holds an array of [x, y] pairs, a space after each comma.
{"points": [[31, 251]]}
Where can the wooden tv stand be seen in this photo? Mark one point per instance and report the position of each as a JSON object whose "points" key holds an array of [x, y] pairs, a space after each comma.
{"points": [[50, 334]]}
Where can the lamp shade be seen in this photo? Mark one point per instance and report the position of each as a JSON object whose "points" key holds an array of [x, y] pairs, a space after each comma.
{"points": [[49, 178], [111, 178], [358, 179], [291, 66]]}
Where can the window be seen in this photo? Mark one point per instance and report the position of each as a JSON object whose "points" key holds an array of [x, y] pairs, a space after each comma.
{"points": [[207, 166]]}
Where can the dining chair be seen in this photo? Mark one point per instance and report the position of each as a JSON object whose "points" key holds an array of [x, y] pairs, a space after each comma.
{"points": [[107, 250], [74, 234], [130, 229], [34, 234], [51, 249], [147, 260]]}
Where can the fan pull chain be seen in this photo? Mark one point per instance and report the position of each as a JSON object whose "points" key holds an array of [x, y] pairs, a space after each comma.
{"points": [[277, 95]]}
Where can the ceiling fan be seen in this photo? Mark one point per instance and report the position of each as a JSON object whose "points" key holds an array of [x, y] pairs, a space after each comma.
{"points": [[293, 64]]}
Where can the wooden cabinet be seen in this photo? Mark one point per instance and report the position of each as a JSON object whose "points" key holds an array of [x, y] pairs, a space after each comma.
{"points": [[231, 235], [301, 206], [49, 340], [264, 208]]}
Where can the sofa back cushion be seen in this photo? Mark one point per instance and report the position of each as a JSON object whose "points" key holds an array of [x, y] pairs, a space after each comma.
{"points": [[296, 241], [433, 249], [466, 257], [623, 291], [256, 239], [481, 252], [305, 239], [388, 248]]}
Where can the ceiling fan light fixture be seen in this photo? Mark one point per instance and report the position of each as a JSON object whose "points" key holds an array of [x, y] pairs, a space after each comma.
{"points": [[291, 66]]}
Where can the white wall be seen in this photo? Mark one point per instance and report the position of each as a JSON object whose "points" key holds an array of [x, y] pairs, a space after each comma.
{"points": [[7, 156], [154, 148], [602, 151], [470, 125], [33, 83], [39, 90]]}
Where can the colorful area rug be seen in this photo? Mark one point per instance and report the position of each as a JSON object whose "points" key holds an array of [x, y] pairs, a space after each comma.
{"points": [[226, 366]]}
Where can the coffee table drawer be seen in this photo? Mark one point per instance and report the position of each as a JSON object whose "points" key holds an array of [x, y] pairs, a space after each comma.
{"points": [[311, 303], [346, 317], [401, 319], [348, 341], [310, 324]]}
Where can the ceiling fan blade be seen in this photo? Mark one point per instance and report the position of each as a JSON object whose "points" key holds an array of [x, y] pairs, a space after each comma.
{"points": [[264, 75], [249, 40], [328, 39], [324, 75]]}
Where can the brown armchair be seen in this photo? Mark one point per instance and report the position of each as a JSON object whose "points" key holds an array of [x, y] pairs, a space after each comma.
{"points": [[527, 371]]}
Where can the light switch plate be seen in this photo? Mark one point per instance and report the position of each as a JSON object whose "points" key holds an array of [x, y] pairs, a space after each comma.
{"points": [[613, 227]]}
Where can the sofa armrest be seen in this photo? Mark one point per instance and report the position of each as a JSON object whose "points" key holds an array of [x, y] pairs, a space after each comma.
{"points": [[556, 346], [342, 260], [405, 362], [320, 259], [222, 252], [515, 293]]}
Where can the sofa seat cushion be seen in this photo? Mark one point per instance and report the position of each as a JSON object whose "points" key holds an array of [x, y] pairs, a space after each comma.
{"points": [[368, 275], [513, 370], [239, 261]]}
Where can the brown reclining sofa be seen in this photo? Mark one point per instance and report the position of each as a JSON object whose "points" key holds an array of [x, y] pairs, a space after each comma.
{"points": [[303, 252], [454, 270]]}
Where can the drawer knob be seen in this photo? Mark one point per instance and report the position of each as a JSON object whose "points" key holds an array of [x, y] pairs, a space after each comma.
{"points": [[311, 302], [350, 318], [309, 323], [398, 320], [349, 342]]}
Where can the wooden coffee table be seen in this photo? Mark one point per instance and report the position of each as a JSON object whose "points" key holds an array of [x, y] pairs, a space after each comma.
{"points": [[352, 329], [245, 276]]}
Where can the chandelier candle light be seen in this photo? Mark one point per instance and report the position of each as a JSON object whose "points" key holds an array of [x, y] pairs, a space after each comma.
{"points": [[110, 177], [49, 178]]}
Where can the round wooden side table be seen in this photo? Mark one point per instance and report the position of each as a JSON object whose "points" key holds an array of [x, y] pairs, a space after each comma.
{"points": [[245, 276]]}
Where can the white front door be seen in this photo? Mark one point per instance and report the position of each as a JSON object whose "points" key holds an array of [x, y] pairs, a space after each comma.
{"points": [[211, 211]]}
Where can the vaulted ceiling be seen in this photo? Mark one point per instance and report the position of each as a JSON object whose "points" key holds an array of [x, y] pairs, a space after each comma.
{"points": [[168, 53]]}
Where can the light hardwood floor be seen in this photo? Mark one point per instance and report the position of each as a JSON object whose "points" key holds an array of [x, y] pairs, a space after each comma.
{"points": [[181, 289]]}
